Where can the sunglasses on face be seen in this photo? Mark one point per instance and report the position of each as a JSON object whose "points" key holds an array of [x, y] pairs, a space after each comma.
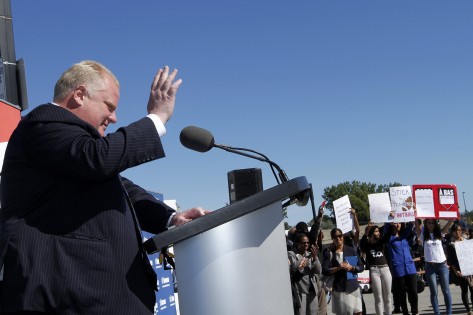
{"points": [[338, 236]]}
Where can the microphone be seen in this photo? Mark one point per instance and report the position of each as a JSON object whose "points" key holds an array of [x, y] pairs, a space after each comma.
{"points": [[197, 139], [202, 140]]}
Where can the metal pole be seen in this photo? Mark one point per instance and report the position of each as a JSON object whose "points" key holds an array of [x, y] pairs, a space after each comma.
{"points": [[7, 51], [464, 201]]}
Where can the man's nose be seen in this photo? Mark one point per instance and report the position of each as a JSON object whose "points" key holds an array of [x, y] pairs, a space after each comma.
{"points": [[113, 117]]}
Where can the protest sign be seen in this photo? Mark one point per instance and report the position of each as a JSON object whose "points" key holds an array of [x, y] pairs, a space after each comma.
{"points": [[342, 209], [380, 208], [401, 204], [436, 201], [464, 251], [424, 199]]}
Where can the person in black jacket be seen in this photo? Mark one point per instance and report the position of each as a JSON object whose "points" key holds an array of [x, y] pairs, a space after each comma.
{"points": [[344, 263], [70, 224], [452, 258]]}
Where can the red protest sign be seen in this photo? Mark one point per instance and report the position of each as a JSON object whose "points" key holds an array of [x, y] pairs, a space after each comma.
{"points": [[436, 201]]}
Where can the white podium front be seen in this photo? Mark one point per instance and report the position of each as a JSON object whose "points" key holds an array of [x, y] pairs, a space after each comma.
{"points": [[233, 261]]}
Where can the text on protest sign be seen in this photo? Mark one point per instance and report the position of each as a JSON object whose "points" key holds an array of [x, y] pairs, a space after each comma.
{"points": [[401, 204]]}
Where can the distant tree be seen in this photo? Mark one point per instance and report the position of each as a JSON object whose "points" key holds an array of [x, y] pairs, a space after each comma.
{"points": [[286, 226], [467, 216], [358, 193], [328, 223]]}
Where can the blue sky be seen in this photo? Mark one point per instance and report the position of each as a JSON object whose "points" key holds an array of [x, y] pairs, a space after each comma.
{"points": [[377, 91]]}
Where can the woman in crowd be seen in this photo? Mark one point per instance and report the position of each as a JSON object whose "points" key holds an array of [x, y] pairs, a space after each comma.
{"points": [[431, 236], [303, 266], [458, 278], [344, 264], [403, 268], [372, 244]]}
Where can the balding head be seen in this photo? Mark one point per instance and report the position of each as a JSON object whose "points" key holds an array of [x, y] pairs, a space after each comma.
{"points": [[88, 72]]}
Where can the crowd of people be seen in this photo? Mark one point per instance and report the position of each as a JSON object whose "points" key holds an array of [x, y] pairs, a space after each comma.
{"points": [[402, 259]]}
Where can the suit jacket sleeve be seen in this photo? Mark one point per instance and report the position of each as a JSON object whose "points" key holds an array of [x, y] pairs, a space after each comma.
{"points": [[152, 213], [317, 266], [72, 148]]}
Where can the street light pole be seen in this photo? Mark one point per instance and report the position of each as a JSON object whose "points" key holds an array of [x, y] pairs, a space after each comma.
{"points": [[464, 201]]}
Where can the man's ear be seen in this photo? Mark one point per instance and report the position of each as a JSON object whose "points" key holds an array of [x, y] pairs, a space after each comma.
{"points": [[79, 94]]}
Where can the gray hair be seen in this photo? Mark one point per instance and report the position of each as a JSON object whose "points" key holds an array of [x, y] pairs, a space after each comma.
{"points": [[88, 72]]}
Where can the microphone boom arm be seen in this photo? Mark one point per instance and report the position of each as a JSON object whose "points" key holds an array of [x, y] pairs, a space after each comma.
{"points": [[282, 175]]}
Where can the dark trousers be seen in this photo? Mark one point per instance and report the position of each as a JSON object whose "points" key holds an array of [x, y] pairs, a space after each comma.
{"points": [[407, 284], [396, 296], [465, 287]]}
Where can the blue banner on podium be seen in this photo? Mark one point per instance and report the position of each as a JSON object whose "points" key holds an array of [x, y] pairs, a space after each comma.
{"points": [[165, 300]]}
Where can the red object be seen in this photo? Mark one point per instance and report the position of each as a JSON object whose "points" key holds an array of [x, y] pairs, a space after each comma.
{"points": [[9, 118], [444, 201]]}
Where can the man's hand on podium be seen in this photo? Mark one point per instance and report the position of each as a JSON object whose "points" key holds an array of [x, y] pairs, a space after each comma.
{"points": [[188, 215]]}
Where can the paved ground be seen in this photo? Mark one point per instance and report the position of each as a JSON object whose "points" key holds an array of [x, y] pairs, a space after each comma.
{"points": [[424, 302]]}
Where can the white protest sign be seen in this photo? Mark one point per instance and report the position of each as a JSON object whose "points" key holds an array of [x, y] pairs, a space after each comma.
{"points": [[380, 208], [401, 203], [425, 203], [342, 209], [464, 251]]}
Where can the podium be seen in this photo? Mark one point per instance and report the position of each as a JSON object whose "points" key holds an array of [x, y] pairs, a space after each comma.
{"points": [[234, 261]]}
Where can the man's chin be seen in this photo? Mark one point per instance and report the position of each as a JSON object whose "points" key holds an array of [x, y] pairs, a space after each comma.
{"points": [[102, 131]]}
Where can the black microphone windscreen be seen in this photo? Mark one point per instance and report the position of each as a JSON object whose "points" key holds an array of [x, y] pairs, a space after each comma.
{"points": [[197, 139]]}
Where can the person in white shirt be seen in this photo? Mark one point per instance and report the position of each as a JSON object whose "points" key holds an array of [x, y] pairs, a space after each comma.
{"points": [[436, 262]]}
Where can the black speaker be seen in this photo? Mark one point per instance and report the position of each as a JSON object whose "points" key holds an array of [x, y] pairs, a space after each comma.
{"points": [[244, 183]]}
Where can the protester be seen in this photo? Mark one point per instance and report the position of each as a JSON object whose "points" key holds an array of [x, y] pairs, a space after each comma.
{"points": [[304, 265], [315, 236], [322, 296], [352, 238], [356, 230], [458, 278], [344, 263], [70, 224], [316, 232], [290, 238], [402, 265], [381, 280], [431, 237], [466, 232], [303, 228]]}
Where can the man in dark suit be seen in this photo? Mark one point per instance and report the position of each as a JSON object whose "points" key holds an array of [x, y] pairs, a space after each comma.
{"points": [[70, 239]]}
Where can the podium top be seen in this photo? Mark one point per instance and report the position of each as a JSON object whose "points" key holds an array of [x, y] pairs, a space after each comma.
{"points": [[294, 187]]}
